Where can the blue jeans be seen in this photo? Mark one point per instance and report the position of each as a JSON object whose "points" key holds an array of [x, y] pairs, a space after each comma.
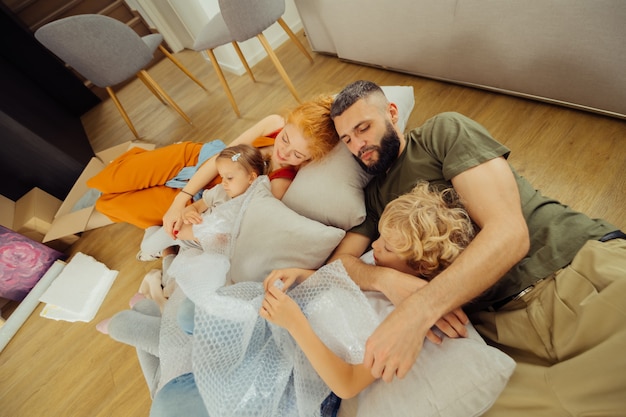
{"points": [[179, 397], [185, 316]]}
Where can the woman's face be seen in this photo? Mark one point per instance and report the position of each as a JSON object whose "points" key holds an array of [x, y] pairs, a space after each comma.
{"points": [[235, 178], [386, 255], [290, 147]]}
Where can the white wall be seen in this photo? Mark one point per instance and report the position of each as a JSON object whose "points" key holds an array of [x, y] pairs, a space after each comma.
{"points": [[180, 20]]}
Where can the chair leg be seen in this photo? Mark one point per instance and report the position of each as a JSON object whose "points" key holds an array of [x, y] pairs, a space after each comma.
{"points": [[243, 60], [122, 111], [222, 79], [294, 38], [145, 77], [181, 66], [152, 90], [278, 65]]}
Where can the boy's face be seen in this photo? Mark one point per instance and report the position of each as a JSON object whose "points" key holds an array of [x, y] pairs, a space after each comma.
{"points": [[235, 179], [387, 256]]}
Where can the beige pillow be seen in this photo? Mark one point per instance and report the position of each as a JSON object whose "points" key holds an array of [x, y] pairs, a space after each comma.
{"points": [[331, 190], [272, 236]]}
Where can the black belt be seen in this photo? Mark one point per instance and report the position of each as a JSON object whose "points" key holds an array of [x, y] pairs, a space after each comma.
{"points": [[617, 234], [499, 304]]}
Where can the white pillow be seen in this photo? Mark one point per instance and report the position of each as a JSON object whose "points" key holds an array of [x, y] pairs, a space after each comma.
{"points": [[331, 190], [273, 236], [460, 377]]}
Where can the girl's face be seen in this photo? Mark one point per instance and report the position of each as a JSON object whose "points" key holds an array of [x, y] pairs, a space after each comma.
{"points": [[235, 179], [290, 147], [386, 255]]}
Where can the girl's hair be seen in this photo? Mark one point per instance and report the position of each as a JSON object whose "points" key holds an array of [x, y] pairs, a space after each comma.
{"points": [[313, 119], [429, 228], [249, 157]]}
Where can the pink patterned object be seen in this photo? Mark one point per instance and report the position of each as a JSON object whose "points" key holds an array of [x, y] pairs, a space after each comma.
{"points": [[22, 263]]}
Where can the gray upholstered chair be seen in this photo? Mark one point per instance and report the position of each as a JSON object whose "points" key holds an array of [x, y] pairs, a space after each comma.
{"points": [[154, 41], [107, 52], [238, 21]]}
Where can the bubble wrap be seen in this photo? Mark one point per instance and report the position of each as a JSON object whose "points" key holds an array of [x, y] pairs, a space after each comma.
{"points": [[245, 366], [174, 344]]}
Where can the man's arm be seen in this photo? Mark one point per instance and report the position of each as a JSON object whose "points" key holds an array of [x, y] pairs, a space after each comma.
{"points": [[395, 285], [491, 197]]}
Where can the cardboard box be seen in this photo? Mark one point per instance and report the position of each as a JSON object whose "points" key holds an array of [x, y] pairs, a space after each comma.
{"points": [[68, 221], [34, 213], [7, 212]]}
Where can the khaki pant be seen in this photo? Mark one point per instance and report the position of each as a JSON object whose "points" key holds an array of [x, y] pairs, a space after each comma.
{"points": [[568, 337]]}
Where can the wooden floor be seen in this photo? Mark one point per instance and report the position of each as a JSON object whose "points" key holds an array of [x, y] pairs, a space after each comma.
{"points": [[69, 369]]}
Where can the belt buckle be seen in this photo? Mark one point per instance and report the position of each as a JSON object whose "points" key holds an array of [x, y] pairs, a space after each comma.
{"points": [[523, 292], [526, 290]]}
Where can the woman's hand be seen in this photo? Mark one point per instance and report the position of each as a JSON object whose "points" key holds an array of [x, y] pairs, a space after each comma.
{"points": [[172, 219], [287, 276]]}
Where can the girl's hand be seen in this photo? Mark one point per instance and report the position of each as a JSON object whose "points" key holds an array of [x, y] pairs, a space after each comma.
{"points": [[279, 308], [287, 276], [191, 215]]}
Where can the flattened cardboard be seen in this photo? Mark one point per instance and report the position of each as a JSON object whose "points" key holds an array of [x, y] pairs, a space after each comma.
{"points": [[67, 222]]}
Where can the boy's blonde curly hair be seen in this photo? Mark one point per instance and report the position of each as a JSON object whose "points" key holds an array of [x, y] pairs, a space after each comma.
{"points": [[428, 227]]}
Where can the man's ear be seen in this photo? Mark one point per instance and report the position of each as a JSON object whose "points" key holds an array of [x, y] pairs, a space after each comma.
{"points": [[393, 111]]}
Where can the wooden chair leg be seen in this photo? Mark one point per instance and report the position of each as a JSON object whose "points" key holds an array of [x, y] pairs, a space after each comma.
{"points": [[122, 111], [181, 66], [145, 77], [222, 79], [243, 60], [152, 90], [278, 65], [295, 39]]}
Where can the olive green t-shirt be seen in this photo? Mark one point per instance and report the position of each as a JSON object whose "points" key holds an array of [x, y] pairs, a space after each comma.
{"points": [[451, 143]]}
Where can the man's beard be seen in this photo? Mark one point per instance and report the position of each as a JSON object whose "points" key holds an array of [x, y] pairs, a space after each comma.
{"points": [[387, 152]]}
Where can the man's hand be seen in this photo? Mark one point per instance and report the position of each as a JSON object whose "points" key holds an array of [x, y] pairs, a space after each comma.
{"points": [[394, 346]]}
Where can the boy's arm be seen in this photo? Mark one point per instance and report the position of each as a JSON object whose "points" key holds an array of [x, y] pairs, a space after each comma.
{"points": [[344, 379]]}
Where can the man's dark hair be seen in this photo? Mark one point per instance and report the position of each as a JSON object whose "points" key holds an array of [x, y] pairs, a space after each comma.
{"points": [[351, 94]]}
